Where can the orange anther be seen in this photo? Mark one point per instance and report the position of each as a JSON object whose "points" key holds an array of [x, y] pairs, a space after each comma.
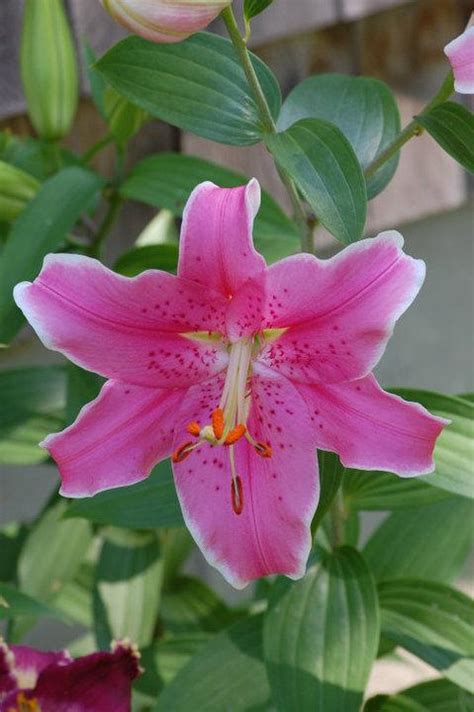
{"points": [[217, 420], [182, 452], [237, 494], [194, 428], [235, 434], [263, 449]]}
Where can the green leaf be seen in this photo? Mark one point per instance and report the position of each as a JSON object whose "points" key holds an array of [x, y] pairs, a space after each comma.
{"points": [[96, 81], [139, 259], [189, 606], [11, 541], [32, 155], [452, 126], [75, 597], [82, 387], [321, 635], [430, 542], [177, 545], [166, 181], [41, 228], [432, 696], [252, 8], [197, 85], [14, 603], [454, 451], [433, 622], [330, 478], [31, 406], [52, 553], [148, 505], [226, 674], [161, 230], [163, 660], [325, 168], [129, 578], [363, 108], [381, 491]]}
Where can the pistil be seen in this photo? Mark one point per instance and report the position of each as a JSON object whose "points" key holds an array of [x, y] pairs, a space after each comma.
{"points": [[229, 420]]}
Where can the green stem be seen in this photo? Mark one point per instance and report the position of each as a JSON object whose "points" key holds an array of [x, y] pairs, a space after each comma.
{"points": [[102, 143], [411, 129], [304, 225], [110, 217]]}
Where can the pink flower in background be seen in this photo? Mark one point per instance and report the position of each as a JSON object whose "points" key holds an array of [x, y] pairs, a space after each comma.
{"points": [[460, 53], [165, 20], [33, 681], [238, 370]]}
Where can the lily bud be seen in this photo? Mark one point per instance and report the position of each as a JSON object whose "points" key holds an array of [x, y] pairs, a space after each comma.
{"points": [[48, 68], [124, 118], [460, 53], [165, 20], [17, 188]]}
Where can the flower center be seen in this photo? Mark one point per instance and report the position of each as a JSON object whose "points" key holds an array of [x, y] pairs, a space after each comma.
{"points": [[23, 704], [228, 422]]}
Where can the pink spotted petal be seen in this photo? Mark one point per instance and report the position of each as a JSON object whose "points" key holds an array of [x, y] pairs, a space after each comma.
{"points": [[122, 328], [216, 248], [246, 308], [116, 439], [164, 20], [100, 682], [373, 430], [460, 53], [272, 533], [340, 312]]}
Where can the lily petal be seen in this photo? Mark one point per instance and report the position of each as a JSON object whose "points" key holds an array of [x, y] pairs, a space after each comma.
{"points": [[216, 247], [122, 328], [8, 680], [29, 663], [341, 312], [460, 53], [94, 683], [116, 439], [373, 430], [279, 493]]}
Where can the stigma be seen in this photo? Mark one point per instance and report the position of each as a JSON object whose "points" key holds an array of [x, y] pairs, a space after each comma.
{"points": [[228, 422]]}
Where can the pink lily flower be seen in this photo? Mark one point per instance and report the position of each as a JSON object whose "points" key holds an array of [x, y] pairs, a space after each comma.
{"points": [[165, 20], [460, 53], [35, 681], [238, 370]]}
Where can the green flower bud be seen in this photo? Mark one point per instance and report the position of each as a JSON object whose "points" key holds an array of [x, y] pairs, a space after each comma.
{"points": [[48, 68], [17, 188], [124, 118]]}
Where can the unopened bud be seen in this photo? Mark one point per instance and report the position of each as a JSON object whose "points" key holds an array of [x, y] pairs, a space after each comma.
{"points": [[17, 188], [124, 118], [164, 21], [48, 68]]}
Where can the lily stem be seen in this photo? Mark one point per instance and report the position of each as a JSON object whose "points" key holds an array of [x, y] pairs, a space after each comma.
{"points": [[96, 148], [115, 203], [411, 129], [304, 223]]}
